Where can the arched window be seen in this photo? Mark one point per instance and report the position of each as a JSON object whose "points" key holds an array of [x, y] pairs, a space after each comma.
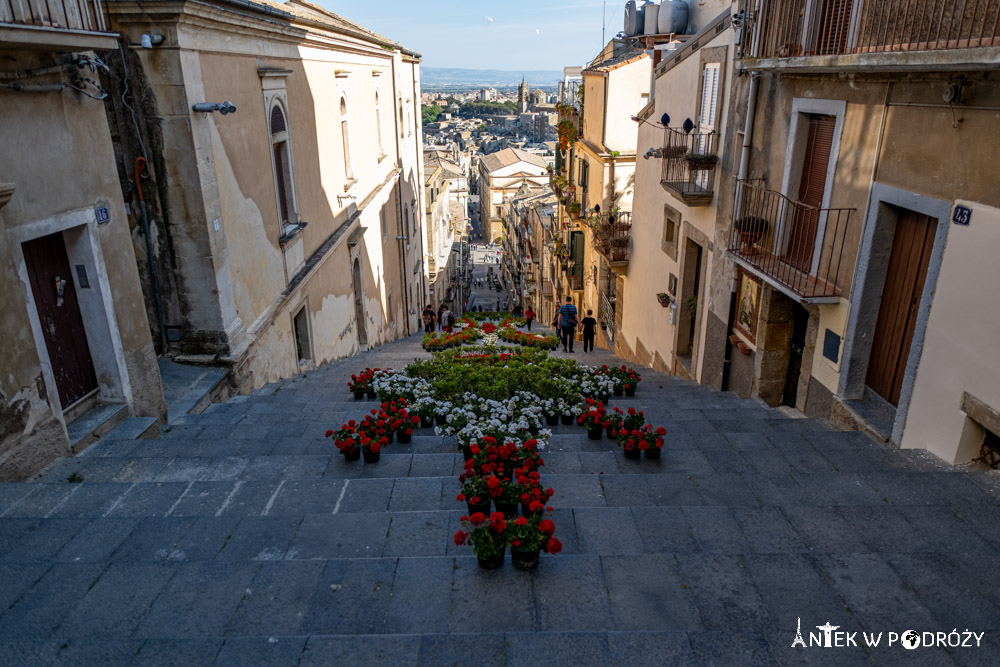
{"points": [[378, 124], [283, 180], [345, 136]]}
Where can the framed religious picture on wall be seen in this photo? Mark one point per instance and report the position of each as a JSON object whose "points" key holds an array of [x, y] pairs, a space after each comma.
{"points": [[748, 306]]}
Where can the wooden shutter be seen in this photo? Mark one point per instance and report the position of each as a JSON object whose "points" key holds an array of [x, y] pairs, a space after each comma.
{"points": [[709, 97], [832, 28], [812, 188], [897, 316], [277, 121]]}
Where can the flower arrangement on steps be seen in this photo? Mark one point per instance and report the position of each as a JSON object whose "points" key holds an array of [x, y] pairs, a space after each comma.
{"points": [[495, 401], [361, 384]]}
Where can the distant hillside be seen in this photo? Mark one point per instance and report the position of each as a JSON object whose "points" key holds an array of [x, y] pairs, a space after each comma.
{"points": [[451, 77]]}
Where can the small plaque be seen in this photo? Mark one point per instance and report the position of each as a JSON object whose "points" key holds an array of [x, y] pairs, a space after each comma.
{"points": [[831, 346], [962, 215], [101, 214], [81, 276]]}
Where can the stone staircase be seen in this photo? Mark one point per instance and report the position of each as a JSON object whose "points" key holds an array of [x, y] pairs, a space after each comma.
{"points": [[241, 536]]}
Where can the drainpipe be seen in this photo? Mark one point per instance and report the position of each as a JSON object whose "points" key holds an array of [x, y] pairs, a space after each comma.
{"points": [[742, 174], [140, 166]]}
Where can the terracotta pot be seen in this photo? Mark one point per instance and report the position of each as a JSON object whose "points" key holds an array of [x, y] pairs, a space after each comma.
{"points": [[734, 339], [744, 348]]}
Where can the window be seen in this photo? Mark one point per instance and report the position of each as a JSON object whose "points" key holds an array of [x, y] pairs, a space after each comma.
{"points": [[381, 219], [406, 217], [345, 137], [284, 183], [708, 112], [671, 225], [401, 126], [378, 125], [300, 328]]}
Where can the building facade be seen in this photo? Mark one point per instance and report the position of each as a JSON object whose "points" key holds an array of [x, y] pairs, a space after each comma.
{"points": [[863, 199], [500, 176], [288, 232], [76, 337]]}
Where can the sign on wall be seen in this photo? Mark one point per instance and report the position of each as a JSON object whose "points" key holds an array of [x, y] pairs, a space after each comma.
{"points": [[748, 305]]}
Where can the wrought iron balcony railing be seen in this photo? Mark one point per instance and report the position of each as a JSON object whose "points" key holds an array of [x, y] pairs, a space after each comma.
{"points": [[613, 237], [689, 161], [788, 28], [85, 15], [796, 246]]}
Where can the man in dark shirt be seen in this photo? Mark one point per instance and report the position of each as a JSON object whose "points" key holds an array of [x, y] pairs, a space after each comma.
{"points": [[589, 331], [568, 324], [429, 319]]}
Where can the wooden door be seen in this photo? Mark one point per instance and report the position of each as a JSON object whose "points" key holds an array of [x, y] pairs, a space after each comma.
{"points": [[62, 325], [897, 315], [812, 188]]}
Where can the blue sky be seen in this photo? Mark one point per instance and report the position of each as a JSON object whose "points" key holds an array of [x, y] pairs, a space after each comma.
{"points": [[507, 34]]}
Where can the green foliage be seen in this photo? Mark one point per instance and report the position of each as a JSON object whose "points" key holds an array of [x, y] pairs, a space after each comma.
{"points": [[481, 108], [74, 478], [429, 114]]}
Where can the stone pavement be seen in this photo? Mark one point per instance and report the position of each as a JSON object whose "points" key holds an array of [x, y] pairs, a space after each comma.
{"points": [[241, 537]]}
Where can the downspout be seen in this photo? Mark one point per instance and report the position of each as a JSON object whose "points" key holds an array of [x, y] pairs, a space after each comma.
{"points": [[741, 175]]}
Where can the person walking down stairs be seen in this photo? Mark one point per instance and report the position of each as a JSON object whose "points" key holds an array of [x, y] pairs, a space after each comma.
{"points": [[568, 322]]}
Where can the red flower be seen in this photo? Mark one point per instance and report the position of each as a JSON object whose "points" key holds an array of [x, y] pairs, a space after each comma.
{"points": [[521, 521], [460, 537], [329, 433], [374, 446], [477, 519], [661, 431], [554, 546], [460, 497], [546, 526]]}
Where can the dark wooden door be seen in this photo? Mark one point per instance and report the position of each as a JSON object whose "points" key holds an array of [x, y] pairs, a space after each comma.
{"points": [[897, 315], [812, 187], [62, 324]]}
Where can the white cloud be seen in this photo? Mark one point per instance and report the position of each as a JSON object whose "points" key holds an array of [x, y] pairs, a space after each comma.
{"points": [[487, 20]]}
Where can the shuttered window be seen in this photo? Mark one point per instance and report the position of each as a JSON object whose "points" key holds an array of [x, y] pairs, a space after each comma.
{"points": [[812, 188], [707, 116]]}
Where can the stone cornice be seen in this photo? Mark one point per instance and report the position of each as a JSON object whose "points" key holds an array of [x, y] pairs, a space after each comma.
{"points": [[6, 192]]}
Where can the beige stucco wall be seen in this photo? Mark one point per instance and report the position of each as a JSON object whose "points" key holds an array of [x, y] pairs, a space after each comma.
{"points": [[628, 92], [960, 341]]}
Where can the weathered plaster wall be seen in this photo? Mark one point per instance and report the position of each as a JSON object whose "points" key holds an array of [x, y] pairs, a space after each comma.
{"points": [[960, 341], [59, 158]]}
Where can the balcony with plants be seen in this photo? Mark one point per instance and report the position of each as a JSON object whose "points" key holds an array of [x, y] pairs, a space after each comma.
{"points": [[66, 25], [846, 34], [612, 236], [798, 248], [689, 163]]}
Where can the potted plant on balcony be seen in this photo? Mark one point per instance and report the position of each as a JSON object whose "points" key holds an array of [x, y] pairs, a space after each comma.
{"points": [[664, 299], [574, 209], [751, 229], [701, 161]]}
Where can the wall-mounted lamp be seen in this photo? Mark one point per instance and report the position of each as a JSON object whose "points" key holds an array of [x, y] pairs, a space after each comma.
{"points": [[653, 152], [148, 41], [222, 107]]}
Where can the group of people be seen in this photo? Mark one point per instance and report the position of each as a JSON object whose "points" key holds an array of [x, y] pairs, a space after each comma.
{"points": [[444, 319], [567, 321]]}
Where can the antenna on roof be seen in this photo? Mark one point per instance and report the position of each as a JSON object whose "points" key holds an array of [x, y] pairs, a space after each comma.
{"points": [[604, 21]]}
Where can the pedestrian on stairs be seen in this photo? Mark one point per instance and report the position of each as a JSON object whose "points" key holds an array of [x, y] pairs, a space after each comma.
{"points": [[428, 318], [568, 322]]}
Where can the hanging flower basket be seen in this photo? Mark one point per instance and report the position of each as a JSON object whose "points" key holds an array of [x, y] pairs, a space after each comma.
{"points": [[664, 299]]}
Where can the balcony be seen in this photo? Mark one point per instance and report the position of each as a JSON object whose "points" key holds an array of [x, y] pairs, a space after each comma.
{"points": [[689, 162], [54, 25], [796, 247], [865, 28], [613, 238]]}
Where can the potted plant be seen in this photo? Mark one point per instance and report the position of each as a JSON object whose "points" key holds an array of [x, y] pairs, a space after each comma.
{"points": [[613, 422], [404, 433], [645, 439], [361, 384], [751, 229], [474, 491], [664, 299], [371, 448], [528, 536], [574, 209], [701, 161], [488, 537], [632, 380], [593, 419], [347, 441]]}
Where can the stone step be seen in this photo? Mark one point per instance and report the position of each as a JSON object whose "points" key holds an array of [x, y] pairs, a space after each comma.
{"points": [[94, 424], [135, 428]]}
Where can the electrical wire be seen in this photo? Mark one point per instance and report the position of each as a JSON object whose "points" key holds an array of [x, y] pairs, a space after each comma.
{"points": [[135, 122]]}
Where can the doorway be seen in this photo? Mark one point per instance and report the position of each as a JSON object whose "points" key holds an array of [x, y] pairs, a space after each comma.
{"points": [[359, 304], [687, 322], [58, 308], [796, 346], [912, 244]]}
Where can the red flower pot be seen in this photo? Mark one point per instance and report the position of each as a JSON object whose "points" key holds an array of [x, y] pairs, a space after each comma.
{"points": [[632, 453], [404, 437], [358, 395], [630, 391], [653, 453], [352, 455], [370, 456], [595, 433]]}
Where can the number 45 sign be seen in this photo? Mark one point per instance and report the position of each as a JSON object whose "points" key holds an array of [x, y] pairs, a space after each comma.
{"points": [[961, 215]]}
